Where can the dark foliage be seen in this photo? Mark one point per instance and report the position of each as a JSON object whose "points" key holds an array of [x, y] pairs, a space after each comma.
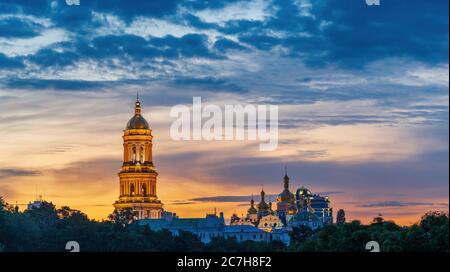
{"points": [[49, 229], [430, 234]]}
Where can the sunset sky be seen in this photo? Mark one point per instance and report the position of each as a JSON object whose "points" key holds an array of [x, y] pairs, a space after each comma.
{"points": [[362, 92]]}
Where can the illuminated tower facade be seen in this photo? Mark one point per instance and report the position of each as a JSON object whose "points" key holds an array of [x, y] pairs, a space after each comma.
{"points": [[138, 174]]}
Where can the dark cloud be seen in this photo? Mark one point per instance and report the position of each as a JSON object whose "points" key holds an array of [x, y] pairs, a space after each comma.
{"points": [[350, 35], [353, 35], [17, 172], [224, 44], [55, 84], [189, 45], [359, 34], [207, 4], [194, 21], [118, 51], [240, 26], [182, 203], [33, 7], [130, 9], [370, 176], [262, 42], [223, 199], [209, 83], [386, 204], [10, 63], [247, 198], [48, 57], [17, 28]]}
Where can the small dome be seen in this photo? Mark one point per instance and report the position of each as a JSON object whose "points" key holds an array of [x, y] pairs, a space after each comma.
{"points": [[286, 196], [252, 210], [137, 122], [303, 193], [263, 206]]}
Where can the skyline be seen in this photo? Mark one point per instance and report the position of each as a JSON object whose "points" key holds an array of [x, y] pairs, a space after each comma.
{"points": [[362, 97]]}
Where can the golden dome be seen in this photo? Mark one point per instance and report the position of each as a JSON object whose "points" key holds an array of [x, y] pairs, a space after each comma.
{"points": [[286, 196], [137, 121], [252, 209], [263, 206], [303, 193]]}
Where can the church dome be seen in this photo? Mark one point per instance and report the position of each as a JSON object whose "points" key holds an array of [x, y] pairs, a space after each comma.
{"points": [[137, 121], [252, 210], [263, 206], [303, 193], [286, 196]]}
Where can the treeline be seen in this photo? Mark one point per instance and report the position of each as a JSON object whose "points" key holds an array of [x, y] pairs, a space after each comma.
{"points": [[49, 229], [429, 235]]}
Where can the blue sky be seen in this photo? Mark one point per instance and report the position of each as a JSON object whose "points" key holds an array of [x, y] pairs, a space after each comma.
{"points": [[362, 90]]}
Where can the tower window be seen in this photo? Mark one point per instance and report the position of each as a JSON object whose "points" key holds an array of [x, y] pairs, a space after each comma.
{"points": [[134, 153], [141, 155], [144, 189], [132, 189]]}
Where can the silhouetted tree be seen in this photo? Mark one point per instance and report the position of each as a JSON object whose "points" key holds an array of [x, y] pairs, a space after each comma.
{"points": [[45, 228], [340, 217], [122, 217]]}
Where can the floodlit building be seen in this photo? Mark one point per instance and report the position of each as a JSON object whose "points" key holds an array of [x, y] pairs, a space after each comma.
{"points": [[138, 175], [214, 226]]}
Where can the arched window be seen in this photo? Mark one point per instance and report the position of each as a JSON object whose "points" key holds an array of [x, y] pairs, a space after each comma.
{"points": [[134, 154], [121, 190], [141, 154], [144, 189], [132, 189]]}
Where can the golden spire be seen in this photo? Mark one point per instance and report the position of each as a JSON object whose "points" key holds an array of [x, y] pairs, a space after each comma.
{"points": [[137, 106], [286, 179]]}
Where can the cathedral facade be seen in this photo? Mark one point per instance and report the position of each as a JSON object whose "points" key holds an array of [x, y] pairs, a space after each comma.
{"points": [[138, 175]]}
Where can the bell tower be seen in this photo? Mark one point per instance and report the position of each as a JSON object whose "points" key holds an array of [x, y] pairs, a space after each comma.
{"points": [[137, 188]]}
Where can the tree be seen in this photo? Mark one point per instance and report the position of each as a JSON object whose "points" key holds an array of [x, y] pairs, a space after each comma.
{"points": [[435, 226], [187, 241], [122, 217], [299, 235], [45, 228], [378, 219], [340, 217]]}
